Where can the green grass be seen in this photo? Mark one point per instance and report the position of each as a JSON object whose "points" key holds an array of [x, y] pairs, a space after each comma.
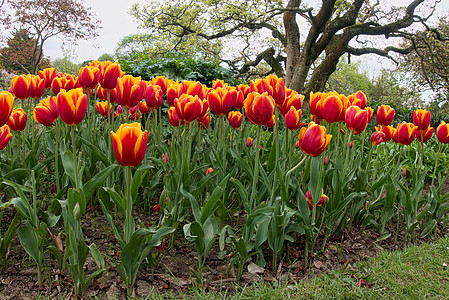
{"points": [[414, 273]]}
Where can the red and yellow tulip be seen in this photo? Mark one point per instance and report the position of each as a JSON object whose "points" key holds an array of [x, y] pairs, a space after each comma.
{"points": [[235, 119], [310, 201], [154, 96], [424, 135], [6, 106], [20, 86], [173, 117], [293, 119], [109, 73], [292, 99], [358, 99], [204, 121], [388, 132], [47, 75], [313, 139], [385, 115], [188, 107], [443, 133], [130, 90], [356, 119], [259, 108], [101, 107], [18, 120], [72, 106], [129, 144], [46, 112], [162, 82], [249, 142], [421, 119], [221, 100], [89, 77], [37, 87], [5, 136], [405, 133], [103, 94], [377, 137], [333, 108]]}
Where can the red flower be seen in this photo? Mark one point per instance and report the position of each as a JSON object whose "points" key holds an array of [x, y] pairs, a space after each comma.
{"points": [[5, 136], [72, 106], [421, 119], [424, 135], [385, 115], [188, 107], [6, 106], [46, 112], [259, 108], [443, 133], [89, 77], [209, 170], [235, 119], [377, 137], [249, 142], [293, 119], [18, 120], [221, 100], [356, 119], [310, 201], [129, 144], [313, 139], [154, 96], [130, 90], [20, 86], [47, 75], [358, 99], [405, 133], [109, 73]]}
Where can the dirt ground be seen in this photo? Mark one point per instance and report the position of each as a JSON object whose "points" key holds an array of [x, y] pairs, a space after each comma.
{"points": [[174, 272]]}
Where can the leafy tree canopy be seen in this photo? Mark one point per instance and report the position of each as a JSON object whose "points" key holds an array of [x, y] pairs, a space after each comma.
{"points": [[300, 40]]}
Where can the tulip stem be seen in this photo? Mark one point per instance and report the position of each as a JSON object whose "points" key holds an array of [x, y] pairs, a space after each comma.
{"points": [[345, 166], [256, 170], [57, 156], [436, 165], [397, 163], [88, 109], [74, 156], [276, 142]]}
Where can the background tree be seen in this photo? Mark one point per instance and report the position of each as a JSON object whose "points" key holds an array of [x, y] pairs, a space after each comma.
{"points": [[44, 19], [349, 78], [427, 65], [268, 30], [16, 56], [67, 64]]}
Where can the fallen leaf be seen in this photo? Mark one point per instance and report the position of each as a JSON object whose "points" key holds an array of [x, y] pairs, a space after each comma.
{"points": [[255, 269]]}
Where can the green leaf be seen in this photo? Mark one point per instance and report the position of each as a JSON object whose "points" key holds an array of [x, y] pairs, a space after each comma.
{"points": [[98, 180], [30, 242], [209, 207]]}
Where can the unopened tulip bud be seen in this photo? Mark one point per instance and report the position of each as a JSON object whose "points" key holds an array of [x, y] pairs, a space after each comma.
{"points": [[53, 188], [350, 145], [404, 172], [297, 144], [166, 159], [76, 210], [249, 142], [326, 160]]}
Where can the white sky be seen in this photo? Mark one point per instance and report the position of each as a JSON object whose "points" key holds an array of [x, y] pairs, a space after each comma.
{"points": [[116, 22]]}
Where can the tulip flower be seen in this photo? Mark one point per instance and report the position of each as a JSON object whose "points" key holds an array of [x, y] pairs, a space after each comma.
{"points": [[72, 106], [103, 94], [166, 159], [130, 90], [18, 120], [385, 115], [235, 119], [424, 135], [221, 101], [249, 142], [209, 170], [271, 122], [313, 139], [310, 201], [129, 144], [356, 119], [218, 83], [405, 133], [143, 107], [46, 112], [443, 133], [259, 108], [238, 104], [261, 86], [37, 87], [47, 75], [119, 111], [421, 119], [172, 93], [358, 99], [173, 117], [244, 89], [162, 82], [5, 136], [20, 86], [6, 106], [333, 108], [89, 77], [154, 96], [292, 99], [188, 107], [278, 89], [370, 113], [377, 137], [326, 160], [101, 107], [109, 73], [293, 119], [315, 103], [192, 88], [204, 121]]}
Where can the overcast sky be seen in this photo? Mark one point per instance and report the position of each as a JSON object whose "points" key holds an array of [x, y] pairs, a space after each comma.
{"points": [[116, 22]]}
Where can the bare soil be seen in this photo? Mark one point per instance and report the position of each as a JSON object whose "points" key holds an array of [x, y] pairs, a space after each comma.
{"points": [[177, 264]]}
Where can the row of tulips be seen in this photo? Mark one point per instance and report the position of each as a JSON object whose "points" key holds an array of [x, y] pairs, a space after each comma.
{"points": [[332, 183]]}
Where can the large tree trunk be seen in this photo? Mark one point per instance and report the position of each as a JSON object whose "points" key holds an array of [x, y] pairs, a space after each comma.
{"points": [[292, 33]]}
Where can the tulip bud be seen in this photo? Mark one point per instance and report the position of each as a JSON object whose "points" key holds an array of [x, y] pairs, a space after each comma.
{"points": [[209, 170], [161, 246], [326, 160], [249, 142], [53, 188], [166, 159], [76, 210], [297, 144], [404, 172], [350, 145]]}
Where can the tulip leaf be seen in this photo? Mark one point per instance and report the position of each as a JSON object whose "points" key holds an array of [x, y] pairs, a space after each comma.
{"points": [[96, 181], [111, 223], [96, 151], [69, 166], [210, 205]]}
